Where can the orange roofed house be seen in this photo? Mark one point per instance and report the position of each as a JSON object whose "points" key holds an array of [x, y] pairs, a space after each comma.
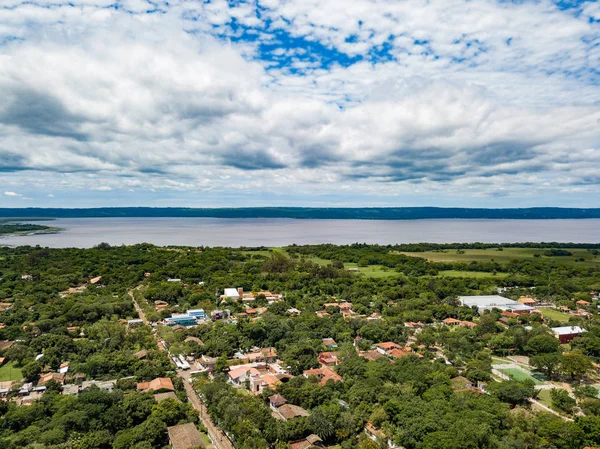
{"points": [[159, 384], [323, 374]]}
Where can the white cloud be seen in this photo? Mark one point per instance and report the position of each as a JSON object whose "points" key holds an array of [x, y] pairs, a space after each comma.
{"points": [[137, 102], [8, 193]]}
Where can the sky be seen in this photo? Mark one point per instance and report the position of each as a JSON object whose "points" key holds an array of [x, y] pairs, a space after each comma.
{"points": [[299, 103]]}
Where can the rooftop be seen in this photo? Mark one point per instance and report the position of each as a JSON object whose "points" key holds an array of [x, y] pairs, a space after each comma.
{"points": [[184, 436]]}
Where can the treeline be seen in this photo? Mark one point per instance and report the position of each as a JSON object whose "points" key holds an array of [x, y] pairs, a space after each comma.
{"points": [[340, 213], [15, 228]]}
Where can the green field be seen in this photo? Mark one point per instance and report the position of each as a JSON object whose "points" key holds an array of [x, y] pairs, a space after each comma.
{"points": [[504, 256], [206, 440], [554, 314], [544, 398], [517, 374], [9, 372], [373, 271], [471, 274]]}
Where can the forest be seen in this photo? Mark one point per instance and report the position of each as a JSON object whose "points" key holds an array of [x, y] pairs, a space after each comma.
{"points": [[72, 305]]}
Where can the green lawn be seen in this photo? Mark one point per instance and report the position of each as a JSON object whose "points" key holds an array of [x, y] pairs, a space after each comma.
{"points": [[471, 274], [373, 271], [9, 372], [207, 443], [554, 314], [544, 398], [504, 256]]}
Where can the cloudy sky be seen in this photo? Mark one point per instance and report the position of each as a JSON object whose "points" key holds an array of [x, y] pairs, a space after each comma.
{"points": [[299, 102]]}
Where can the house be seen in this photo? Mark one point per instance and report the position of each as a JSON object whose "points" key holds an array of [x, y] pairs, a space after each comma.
{"points": [[6, 344], [371, 355], [238, 375], [581, 302], [567, 333], [95, 280], [160, 384], [73, 329], [135, 323], [276, 401], [290, 411], [386, 346], [64, 368], [174, 280], [322, 314], [308, 442], [398, 353], [26, 388], [27, 277], [293, 311], [329, 343], [268, 355], [329, 358], [528, 301], [193, 339], [184, 436], [324, 374], [460, 383], [56, 377], [207, 363], [468, 324], [141, 354], [70, 390], [451, 321]]}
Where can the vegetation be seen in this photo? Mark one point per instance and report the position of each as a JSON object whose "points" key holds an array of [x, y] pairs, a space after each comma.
{"points": [[71, 304]]}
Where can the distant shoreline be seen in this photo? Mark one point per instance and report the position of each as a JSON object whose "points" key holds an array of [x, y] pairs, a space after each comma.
{"points": [[313, 213]]}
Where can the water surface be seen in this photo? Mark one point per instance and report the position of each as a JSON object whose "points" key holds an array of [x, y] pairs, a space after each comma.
{"points": [[87, 232]]}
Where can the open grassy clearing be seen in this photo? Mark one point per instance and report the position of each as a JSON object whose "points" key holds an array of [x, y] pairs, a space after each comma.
{"points": [[544, 398], [10, 372], [504, 256], [373, 271], [554, 314]]}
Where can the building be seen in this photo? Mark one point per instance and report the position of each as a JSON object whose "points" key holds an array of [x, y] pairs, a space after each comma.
{"points": [[324, 374], [207, 363], [56, 377], [528, 301], [64, 368], [70, 390], [567, 333], [232, 293], [184, 436], [329, 343], [329, 358], [308, 442], [386, 346], [160, 384], [489, 302], [174, 280], [276, 401], [106, 385], [135, 323], [290, 411], [197, 313], [181, 319]]}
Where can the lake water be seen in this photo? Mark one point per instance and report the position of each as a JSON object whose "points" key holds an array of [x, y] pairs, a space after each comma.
{"points": [[87, 232]]}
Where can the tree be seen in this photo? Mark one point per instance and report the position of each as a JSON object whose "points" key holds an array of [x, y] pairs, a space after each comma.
{"points": [[562, 401], [320, 424], [575, 365], [542, 344], [514, 392], [546, 363]]}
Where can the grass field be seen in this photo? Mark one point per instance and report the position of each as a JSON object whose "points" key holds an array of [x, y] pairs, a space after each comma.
{"points": [[471, 274], [9, 372], [554, 314], [373, 271], [504, 256], [517, 374], [544, 398], [207, 443]]}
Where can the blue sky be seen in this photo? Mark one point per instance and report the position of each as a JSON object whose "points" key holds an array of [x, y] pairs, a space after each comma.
{"points": [[299, 102]]}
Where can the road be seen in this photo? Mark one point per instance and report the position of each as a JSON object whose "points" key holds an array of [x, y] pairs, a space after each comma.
{"points": [[218, 437]]}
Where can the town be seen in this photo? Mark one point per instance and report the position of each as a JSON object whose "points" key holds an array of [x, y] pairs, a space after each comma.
{"points": [[323, 346]]}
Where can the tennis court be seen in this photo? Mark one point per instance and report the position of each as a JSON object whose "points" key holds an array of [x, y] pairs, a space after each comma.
{"points": [[517, 374]]}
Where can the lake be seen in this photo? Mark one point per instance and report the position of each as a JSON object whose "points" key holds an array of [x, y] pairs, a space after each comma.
{"points": [[87, 232]]}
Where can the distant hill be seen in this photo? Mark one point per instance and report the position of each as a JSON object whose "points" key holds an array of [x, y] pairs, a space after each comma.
{"points": [[343, 213]]}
